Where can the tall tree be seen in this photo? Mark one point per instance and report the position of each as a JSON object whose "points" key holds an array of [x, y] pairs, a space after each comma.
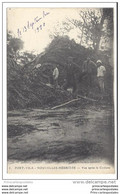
{"points": [[90, 26]]}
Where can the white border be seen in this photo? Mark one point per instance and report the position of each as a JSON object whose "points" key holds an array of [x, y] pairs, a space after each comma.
{"points": [[62, 176]]}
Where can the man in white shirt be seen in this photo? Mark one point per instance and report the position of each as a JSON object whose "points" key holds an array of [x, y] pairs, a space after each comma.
{"points": [[55, 76], [100, 75]]}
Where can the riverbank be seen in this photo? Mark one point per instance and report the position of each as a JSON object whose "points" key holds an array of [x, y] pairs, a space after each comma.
{"points": [[61, 135]]}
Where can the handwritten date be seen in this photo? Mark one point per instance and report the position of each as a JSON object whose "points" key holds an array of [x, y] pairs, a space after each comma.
{"points": [[37, 24]]}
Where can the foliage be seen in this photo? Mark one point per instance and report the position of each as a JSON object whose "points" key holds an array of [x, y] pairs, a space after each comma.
{"points": [[13, 44], [27, 85], [16, 44], [25, 57], [92, 25]]}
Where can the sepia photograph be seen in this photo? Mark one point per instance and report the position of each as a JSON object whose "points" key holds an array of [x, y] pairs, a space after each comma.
{"points": [[60, 90]]}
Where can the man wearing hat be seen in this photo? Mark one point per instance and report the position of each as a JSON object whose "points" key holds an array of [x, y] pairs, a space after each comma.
{"points": [[100, 75]]}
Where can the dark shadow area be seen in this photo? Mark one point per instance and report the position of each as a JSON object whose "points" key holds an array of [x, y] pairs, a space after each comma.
{"points": [[65, 152]]}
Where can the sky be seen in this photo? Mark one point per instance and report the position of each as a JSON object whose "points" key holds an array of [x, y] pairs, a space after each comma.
{"points": [[34, 25]]}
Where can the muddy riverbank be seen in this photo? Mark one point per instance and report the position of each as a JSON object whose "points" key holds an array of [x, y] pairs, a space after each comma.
{"points": [[63, 135]]}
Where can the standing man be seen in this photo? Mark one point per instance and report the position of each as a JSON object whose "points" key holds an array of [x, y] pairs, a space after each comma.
{"points": [[89, 70], [101, 75], [55, 76]]}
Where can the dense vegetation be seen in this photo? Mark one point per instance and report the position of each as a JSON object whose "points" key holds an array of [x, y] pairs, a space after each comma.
{"points": [[27, 84], [28, 75]]}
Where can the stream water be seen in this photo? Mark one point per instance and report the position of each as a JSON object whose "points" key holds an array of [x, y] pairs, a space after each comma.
{"points": [[61, 135]]}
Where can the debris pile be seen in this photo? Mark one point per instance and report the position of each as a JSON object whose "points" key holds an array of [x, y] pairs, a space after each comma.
{"points": [[30, 86]]}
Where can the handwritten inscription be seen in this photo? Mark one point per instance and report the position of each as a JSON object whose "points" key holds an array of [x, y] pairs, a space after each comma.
{"points": [[37, 24]]}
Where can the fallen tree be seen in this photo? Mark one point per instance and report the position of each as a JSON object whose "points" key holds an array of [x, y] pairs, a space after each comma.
{"points": [[76, 99]]}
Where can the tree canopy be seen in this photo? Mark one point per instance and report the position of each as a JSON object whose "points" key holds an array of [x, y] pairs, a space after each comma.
{"points": [[13, 44], [91, 26]]}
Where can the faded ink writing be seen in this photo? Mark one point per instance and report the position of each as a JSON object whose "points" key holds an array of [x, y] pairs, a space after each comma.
{"points": [[34, 25]]}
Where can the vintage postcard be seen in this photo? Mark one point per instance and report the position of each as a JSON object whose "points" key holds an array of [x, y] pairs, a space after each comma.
{"points": [[61, 90]]}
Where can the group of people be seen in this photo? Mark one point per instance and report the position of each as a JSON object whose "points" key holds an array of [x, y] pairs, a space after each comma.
{"points": [[90, 71]]}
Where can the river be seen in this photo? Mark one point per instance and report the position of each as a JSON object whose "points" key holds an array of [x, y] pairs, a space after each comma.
{"points": [[61, 135]]}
